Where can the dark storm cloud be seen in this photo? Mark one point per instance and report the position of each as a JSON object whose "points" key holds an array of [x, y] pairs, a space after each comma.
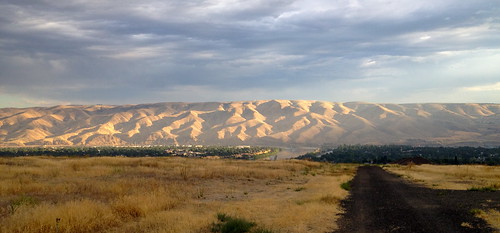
{"points": [[150, 51]]}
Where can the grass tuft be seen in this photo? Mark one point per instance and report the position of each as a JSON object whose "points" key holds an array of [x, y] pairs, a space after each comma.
{"points": [[299, 189], [228, 224], [329, 199], [21, 201], [475, 211], [483, 189]]}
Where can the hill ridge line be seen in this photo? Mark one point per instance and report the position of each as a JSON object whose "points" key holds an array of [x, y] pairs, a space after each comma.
{"points": [[257, 122]]}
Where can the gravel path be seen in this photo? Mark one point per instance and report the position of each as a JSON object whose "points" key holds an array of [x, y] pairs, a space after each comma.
{"points": [[383, 202]]}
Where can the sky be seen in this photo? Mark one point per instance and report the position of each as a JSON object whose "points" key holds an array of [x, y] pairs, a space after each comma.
{"points": [[56, 52]]}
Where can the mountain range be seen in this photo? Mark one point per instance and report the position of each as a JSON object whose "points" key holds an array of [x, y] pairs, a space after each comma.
{"points": [[265, 122]]}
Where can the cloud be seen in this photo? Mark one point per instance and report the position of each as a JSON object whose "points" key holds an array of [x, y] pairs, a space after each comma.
{"points": [[128, 51], [489, 87]]}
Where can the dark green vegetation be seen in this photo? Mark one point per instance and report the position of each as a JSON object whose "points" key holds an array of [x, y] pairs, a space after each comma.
{"points": [[238, 152], [346, 185], [491, 188], [228, 224], [391, 153]]}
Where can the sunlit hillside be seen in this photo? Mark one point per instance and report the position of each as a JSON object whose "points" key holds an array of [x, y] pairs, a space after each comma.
{"points": [[273, 122]]}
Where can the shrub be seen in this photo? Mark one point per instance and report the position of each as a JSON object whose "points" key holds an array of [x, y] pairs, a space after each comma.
{"points": [[228, 224], [346, 185], [222, 217], [237, 225], [21, 201]]}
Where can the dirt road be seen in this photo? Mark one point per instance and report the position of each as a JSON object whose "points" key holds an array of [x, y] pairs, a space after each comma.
{"points": [[383, 202]]}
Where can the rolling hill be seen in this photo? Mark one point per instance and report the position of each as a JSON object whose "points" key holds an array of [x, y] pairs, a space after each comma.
{"points": [[267, 122]]}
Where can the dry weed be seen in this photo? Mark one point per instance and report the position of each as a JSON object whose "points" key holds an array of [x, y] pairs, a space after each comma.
{"points": [[119, 194], [458, 177], [492, 216]]}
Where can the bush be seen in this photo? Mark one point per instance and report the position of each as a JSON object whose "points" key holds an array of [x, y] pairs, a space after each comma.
{"points": [[228, 224], [237, 225], [346, 185], [21, 201]]}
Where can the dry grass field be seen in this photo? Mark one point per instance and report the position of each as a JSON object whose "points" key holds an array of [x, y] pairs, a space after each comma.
{"points": [[456, 177], [119, 194]]}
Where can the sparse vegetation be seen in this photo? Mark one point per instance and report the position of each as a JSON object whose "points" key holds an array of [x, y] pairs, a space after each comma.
{"points": [[21, 201], [491, 188], [346, 185], [330, 199], [166, 194], [228, 224], [475, 211], [461, 177], [492, 216], [299, 189]]}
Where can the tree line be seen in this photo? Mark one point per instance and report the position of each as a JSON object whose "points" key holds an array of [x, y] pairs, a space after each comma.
{"points": [[391, 153], [141, 151]]}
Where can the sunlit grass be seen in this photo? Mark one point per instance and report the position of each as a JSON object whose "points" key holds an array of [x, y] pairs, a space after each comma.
{"points": [[120, 194], [458, 177]]}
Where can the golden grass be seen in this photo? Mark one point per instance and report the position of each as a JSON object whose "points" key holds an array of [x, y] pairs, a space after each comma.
{"points": [[456, 177], [491, 216], [119, 194]]}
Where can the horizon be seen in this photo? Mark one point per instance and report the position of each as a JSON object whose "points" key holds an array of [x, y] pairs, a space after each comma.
{"points": [[127, 52]]}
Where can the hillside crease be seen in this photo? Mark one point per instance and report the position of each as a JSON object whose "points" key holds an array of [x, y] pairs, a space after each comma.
{"points": [[271, 122]]}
